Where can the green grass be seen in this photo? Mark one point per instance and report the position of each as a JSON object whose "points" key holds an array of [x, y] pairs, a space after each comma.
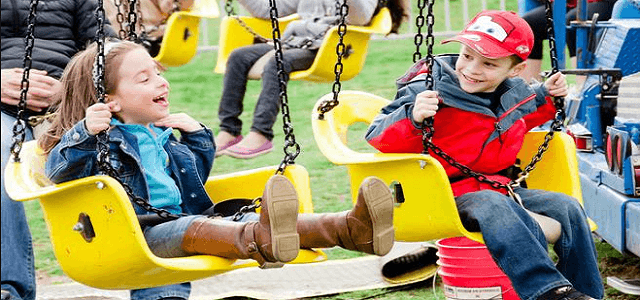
{"points": [[196, 90]]}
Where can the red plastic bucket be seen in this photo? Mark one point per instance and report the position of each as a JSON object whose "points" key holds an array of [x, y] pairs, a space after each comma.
{"points": [[468, 271]]}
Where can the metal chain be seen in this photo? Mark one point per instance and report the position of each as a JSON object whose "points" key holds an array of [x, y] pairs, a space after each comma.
{"points": [[427, 124], [19, 126], [132, 18], [418, 38], [291, 147], [228, 7], [248, 208], [143, 29], [558, 102], [122, 34], [328, 105], [102, 146], [556, 125]]}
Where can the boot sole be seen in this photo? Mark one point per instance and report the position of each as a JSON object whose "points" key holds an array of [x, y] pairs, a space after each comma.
{"points": [[283, 218], [379, 202]]}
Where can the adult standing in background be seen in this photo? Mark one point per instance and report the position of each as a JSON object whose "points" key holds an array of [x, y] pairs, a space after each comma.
{"points": [[538, 21], [63, 27]]}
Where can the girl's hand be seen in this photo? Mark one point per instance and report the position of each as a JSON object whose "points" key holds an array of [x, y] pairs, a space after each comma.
{"points": [[426, 106], [180, 121], [98, 117], [557, 85]]}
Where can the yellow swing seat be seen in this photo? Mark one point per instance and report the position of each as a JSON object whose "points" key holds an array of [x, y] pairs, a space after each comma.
{"points": [[356, 40], [116, 255], [429, 211], [180, 39]]}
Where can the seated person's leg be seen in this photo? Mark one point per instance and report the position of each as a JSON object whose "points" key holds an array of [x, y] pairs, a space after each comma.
{"points": [[514, 239], [575, 249], [233, 92], [536, 18], [266, 112]]}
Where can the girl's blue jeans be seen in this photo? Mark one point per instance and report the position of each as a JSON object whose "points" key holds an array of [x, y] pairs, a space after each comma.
{"points": [[519, 247], [164, 240]]}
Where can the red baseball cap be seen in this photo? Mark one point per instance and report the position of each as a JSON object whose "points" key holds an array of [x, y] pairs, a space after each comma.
{"points": [[496, 34]]}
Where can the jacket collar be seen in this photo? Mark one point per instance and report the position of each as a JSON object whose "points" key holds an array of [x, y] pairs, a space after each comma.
{"points": [[446, 83]]}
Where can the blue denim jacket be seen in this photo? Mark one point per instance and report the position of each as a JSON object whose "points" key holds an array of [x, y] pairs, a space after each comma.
{"points": [[191, 159]]}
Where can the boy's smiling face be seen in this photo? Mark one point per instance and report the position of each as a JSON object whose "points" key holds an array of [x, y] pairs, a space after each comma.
{"points": [[141, 92], [479, 74]]}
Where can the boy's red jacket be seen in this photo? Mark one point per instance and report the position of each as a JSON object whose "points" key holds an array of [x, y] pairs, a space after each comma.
{"points": [[465, 127]]}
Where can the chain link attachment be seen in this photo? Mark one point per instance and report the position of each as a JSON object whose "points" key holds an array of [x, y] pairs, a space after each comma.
{"points": [[341, 49], [257, 202], [20, 125]]}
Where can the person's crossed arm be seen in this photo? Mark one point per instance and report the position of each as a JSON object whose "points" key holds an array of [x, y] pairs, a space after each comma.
{"points": [[41, 88]]}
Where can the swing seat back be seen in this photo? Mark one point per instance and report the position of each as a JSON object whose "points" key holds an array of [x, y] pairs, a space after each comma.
{"points": [[180, 40], [356, 41], [427, 208], [96, 236]]}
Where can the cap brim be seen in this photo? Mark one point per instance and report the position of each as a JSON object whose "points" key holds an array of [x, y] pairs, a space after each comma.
{"points": [[483, 45]]}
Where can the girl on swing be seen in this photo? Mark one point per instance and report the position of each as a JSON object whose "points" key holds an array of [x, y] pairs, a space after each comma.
{"points": [[171, 172]]}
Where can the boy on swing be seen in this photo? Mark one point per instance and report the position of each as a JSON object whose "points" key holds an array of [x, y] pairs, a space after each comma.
{"points": [[481, 111]]}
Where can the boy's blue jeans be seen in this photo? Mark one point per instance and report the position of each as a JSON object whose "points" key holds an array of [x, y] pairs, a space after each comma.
{"points": [[18, 275], [519, 247]]}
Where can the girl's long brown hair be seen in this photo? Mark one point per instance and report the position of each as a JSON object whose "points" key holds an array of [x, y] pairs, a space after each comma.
{"points": [[78, 92]]}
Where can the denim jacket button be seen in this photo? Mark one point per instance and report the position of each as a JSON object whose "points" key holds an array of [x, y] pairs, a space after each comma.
{"points": [[193, 195], [75, 136], [183, 170]]}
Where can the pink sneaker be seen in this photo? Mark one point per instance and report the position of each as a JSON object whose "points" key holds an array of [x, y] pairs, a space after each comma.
{"points": [[221, 149], [242, 152]]}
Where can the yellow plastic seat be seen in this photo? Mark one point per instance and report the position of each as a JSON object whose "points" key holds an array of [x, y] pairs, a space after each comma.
{"points": [[180, 40], [356, 40], [429, 211], [118, 257]]}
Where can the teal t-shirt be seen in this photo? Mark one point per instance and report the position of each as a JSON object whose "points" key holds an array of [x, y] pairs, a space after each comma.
{"points": [[163, 191]]}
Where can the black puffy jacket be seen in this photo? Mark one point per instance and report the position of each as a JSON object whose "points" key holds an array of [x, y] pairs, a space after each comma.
{"points": [[63, 27]]}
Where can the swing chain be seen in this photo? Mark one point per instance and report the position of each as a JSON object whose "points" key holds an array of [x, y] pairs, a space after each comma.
{"points": [[122, 34], [228, 7], [429, 43], [257, 202], [551, 37], [558, 102], [20, 124], [341, 49], [427, 124], [418, 38], [289, 137], [132, 18]]}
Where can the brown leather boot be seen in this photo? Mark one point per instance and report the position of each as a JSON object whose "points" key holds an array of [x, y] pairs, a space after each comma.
{"points": [[272, 239], [368, 227]]}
